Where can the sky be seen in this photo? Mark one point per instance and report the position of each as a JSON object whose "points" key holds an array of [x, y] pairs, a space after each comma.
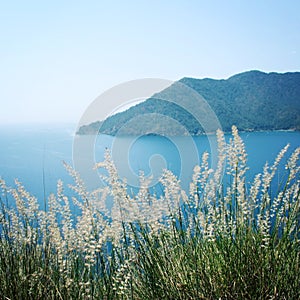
{"points": [[56, 57]]}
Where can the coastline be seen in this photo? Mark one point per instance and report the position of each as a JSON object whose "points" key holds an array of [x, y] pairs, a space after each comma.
{"points": [[193, 135]]}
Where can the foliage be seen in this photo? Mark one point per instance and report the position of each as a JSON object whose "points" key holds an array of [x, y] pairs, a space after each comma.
{"points": [[252, 101], [220, 241]]}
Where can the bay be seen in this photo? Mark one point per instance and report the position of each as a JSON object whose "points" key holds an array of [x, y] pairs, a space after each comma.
{"points": [[34, 155]]}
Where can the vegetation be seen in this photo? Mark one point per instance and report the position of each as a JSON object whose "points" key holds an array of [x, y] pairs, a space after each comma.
{"points": [[252, 101], [223, 240]]}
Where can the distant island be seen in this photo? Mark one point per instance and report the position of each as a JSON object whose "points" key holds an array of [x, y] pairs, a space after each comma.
{"points": [[252, 101]]}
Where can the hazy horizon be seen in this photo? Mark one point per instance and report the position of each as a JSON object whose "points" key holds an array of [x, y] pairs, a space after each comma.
{"points": [[56, 58]]}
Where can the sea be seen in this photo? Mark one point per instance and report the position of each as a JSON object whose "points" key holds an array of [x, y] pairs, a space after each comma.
{"points": [[36, 156]]}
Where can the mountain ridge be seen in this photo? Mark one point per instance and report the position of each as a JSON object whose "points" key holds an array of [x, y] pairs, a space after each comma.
{"points": [[252, 100]]}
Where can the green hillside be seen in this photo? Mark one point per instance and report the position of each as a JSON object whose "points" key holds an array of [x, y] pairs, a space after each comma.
{"points": [[252, 101]]}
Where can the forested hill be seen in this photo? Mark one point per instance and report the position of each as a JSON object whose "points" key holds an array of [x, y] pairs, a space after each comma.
{"points": [[252, 101]]}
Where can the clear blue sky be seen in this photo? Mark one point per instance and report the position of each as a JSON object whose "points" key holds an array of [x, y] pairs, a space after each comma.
{"points": [[56, 57]]}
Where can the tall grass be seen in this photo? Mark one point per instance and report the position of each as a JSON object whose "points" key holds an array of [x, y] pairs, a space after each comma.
{"points": [[225, 239]]}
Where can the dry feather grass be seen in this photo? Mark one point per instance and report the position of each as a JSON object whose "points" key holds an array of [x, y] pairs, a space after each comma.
{"points": [[220, 241]]}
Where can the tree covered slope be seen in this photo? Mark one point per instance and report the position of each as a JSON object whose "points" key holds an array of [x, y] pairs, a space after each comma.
{"points": [[252, 101]]}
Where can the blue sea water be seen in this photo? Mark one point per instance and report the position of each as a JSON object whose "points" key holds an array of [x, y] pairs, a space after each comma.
{"points": [[34, 154]]}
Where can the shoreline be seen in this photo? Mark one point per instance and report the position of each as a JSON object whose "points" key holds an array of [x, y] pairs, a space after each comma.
{"points": [[192, 135]]}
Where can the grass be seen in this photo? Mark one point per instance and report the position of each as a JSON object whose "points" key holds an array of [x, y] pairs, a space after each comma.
{"points": [[225, 239]]}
